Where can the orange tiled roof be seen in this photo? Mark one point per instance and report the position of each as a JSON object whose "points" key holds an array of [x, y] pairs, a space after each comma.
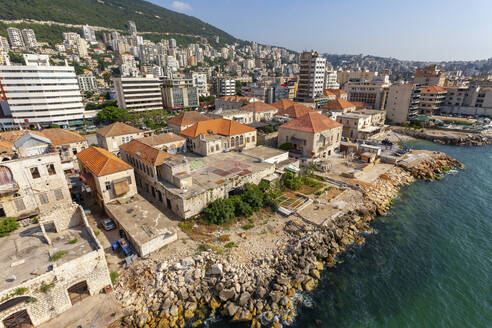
{"points": [[101, 162], [146, 153], [188, 118], [295, 111], [117, 129], [327, 92], [338, 104], [337, 92], [258, 106], [62, 136], [432, 89], [311, 122], [218, 126], [161, 139], [283, 103]]}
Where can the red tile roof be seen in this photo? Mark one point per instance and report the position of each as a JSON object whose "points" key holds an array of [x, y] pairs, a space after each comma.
{"points": [[219, 126], [311, 122], [101, 162], [146, 153], [258, 106], [295, 111], [188, 118], [62, 136], [337, 92], [117, 129], [235, 98], [338, 104], [14, 135], [283, 103]]}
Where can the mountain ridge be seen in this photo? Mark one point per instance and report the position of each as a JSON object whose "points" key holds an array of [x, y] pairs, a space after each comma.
{"points": [[112, 14]]}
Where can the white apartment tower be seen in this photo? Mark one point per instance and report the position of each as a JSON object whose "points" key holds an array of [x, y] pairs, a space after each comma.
{"points": [[89, 34], [4, 44], [29, 38], [15, 37], [138, 93], [311, 76], [331, 80], [39, 94], [132, 28], [225, 87]]}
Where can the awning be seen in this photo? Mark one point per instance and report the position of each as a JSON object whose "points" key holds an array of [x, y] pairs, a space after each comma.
{"points": [[76, 123]]}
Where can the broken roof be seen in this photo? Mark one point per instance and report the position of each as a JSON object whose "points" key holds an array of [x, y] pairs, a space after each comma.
{"points": [[146, 153], [62, 136], [283, 103], [161, 139], [188, 118]]}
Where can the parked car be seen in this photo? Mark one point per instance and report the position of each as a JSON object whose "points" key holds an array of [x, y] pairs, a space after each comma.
{"points": [[108, 224]]}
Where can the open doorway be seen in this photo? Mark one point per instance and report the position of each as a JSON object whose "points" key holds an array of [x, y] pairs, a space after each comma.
{"points": [[78, 292], [19, 319]]}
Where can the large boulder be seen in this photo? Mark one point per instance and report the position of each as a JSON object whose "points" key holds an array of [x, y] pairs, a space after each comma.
{"points": [[215, 270], [227, 294]]}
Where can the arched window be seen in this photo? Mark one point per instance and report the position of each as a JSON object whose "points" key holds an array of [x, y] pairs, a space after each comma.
{"points": [[232, 142], [237, 141], [241, 140]]}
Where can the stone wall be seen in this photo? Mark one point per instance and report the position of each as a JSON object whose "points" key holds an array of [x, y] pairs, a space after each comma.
{"points": [[46, 303]]}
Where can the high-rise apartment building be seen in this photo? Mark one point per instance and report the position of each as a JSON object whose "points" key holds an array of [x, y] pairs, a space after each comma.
{"points": [[15, 37], [331, 80], [29, 38], [224, 87], [4, 44], [429, 75], [132, 28], [138, 93], [172, 43], [39, 94], [402, 100], [89, 34], [311, 76], [179, 93], [87, 82], [431, 99]]}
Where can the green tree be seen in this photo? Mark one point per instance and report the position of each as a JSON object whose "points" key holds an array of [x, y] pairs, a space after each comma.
{"points": [[219, 211], [111, 114], [291, 181], [240, 207], [16, 58], [286, 146], [253, 196], [7, 225]]}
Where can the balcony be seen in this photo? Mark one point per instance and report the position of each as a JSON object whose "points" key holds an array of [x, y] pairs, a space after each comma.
{"points": [[9, 188]]}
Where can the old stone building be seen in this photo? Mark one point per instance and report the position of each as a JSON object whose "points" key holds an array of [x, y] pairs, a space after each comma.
{"points": [[68, 143], [240, 116], [49, 266], [219, 135], [31, 177], [184, 184], [260, 110], [311, 136], [112, 136], [170, 142], [108, 177]]}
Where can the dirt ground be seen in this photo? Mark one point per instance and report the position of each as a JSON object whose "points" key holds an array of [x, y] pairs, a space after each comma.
{"points": [[98, 311]]}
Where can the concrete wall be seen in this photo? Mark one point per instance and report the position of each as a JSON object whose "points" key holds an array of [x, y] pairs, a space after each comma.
{"points": [[314, 146], [216, 144], [467, 110], [108, 195], [69, 149]]}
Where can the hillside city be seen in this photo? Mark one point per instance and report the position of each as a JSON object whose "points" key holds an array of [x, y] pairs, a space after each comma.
{"points": [[147, 184]]}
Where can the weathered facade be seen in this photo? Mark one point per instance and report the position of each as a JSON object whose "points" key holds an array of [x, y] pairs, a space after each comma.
{"points": [[48, 284]]}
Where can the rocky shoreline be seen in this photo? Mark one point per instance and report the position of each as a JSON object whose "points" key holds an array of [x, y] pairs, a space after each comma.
{"points": [[458, 139], [263, 292]]}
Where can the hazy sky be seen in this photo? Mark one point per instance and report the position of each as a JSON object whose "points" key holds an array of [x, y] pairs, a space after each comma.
{"points": [[406, 29]]}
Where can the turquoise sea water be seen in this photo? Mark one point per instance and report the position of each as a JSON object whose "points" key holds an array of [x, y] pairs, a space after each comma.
{"points": [[428, 265]]}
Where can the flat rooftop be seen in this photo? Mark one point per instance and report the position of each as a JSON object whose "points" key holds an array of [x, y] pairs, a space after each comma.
{"points": [[264, 152], [211, 171], [141, 219], [25, 254]]}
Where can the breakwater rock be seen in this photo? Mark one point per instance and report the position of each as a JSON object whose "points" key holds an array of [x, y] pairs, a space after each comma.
{"points": [[446, 137], [263, 291]]}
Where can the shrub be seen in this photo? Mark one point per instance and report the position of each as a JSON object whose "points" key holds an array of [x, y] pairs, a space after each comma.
{"points": [[58, 255], [248, 226], [73, 241], [219, 211], [20, 291], [46, 288], [230, 245], [312, 183], [7, 225], [224, 238], [97, 232], [286, 146], [113, 275], [186, 225], [291, 181], [240, 207], [253, 196]]}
